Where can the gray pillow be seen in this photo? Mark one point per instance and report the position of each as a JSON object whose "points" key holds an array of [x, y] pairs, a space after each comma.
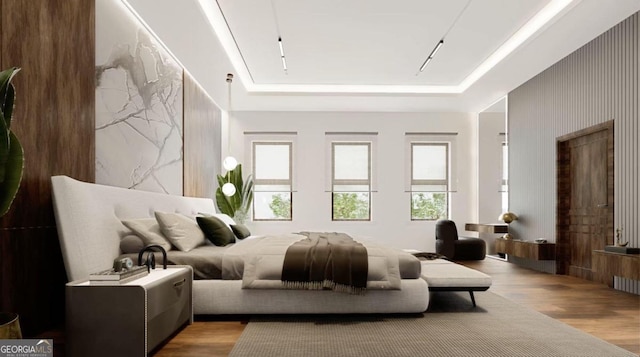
{"points": [[131, 244], [182, 231], [149, 231], [216, 230]]}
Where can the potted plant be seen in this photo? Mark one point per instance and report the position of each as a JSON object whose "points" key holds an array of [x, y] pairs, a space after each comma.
{"points": [[237, 204], [11, 167], [11, 153]]}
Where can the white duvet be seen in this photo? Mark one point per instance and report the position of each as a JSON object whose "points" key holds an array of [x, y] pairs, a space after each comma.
{"points": [[258, 262]]}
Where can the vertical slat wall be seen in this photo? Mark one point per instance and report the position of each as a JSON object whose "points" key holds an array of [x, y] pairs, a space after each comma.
{"points": [[596, 83], [202, 123]]}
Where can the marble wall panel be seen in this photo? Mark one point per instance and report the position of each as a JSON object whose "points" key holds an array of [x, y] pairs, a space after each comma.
{"points": [[139, 100]]}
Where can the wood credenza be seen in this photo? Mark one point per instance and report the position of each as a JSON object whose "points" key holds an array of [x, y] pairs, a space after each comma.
{"points": [[606, 265], [526, 249], [487, 227]]}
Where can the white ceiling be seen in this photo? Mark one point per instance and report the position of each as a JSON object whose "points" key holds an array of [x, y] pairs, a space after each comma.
{"points": [[364, 55], [371, 42]]}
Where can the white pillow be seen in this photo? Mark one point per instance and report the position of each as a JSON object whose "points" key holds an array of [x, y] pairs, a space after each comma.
{"points": [[182, 231], [149, 231]]}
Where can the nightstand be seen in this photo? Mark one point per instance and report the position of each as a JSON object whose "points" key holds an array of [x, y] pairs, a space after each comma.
{"points": [[129, 319]]}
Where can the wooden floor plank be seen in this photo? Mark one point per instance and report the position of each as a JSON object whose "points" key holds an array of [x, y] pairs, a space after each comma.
{"points": [[204, 338]]}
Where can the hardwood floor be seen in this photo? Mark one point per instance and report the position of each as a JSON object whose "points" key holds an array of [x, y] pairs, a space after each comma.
{"points": [[608, 314], [203, 338]]}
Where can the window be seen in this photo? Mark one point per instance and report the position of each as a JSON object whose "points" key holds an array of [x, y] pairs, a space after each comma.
{"points": [[351, 181], [272, 171], [429, 181]]}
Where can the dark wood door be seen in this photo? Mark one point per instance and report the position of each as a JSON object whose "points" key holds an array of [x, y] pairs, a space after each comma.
{"points": [[589, 206]]}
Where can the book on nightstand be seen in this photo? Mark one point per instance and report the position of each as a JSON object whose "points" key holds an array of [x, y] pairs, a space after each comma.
{"points": [[111, 277]]}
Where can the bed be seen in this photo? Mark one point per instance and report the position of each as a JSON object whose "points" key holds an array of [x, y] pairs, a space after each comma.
{"points": [[89, 222]]}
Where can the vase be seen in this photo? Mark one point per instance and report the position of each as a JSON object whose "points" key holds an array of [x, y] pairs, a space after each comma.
{"points": [[9, 326]]}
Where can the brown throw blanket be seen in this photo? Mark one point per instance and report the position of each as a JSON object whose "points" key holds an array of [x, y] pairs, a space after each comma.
{"points": [[326, 261]]}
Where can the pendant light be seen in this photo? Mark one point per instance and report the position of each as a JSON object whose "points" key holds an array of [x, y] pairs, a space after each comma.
{"points": [[229, 163], [229, 189]]}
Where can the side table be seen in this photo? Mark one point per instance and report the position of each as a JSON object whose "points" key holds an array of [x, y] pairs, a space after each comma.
{"points": [[129, 319]]}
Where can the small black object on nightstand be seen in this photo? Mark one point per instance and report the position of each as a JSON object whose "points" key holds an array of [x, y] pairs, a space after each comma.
{"points": [[150, 262]]}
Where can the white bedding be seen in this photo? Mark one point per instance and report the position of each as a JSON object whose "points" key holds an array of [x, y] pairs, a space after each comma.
{"points": [[265, 254], [258, 262]]}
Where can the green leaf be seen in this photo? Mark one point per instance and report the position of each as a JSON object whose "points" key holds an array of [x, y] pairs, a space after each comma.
{"points": [[11, 152], [13, 177], [236, 180], [5, 141], [247, 194], [239, 201], [7, 96], [221, 180], [7, 108], [223, 203], [236, 175], [7, 93]]}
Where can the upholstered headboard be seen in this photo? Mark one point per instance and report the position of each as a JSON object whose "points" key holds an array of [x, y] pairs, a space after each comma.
{"points": [[89, 218]]}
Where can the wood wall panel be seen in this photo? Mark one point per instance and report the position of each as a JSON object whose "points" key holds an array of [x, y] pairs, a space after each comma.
{"points": [[53, 42], [594, 84], [202, 122]]}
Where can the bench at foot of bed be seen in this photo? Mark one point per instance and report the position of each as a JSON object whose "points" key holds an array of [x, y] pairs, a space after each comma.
{"points": [[444, 275]]}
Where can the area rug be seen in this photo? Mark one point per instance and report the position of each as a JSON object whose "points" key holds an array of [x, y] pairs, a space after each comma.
{"points": [[451, 327]]}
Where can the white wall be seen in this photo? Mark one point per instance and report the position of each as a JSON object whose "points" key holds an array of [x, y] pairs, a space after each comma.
{"points": [[391, 223], [490, 126]]}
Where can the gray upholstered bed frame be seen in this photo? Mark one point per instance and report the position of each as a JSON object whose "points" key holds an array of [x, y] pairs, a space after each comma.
{"points": [[89, 225]]}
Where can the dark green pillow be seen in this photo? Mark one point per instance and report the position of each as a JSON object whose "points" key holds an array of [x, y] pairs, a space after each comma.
{"points": [[215, 230], [240, 230]]}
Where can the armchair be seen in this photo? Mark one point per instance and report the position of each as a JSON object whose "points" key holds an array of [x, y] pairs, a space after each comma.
{"points": [[457, 248]]}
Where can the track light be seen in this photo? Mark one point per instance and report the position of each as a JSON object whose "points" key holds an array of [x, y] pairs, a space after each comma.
{"points": [[284, 61], [431, 55], [280, 45]]}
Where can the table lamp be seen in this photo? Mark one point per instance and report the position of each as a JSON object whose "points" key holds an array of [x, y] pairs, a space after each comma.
{"points": [[507, 218]]}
